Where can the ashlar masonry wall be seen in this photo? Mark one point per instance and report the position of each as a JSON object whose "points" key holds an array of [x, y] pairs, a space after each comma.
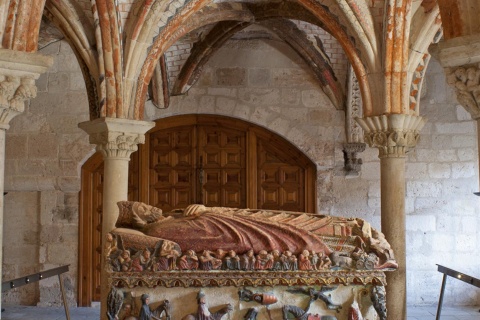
{"points": [[45, 151]]}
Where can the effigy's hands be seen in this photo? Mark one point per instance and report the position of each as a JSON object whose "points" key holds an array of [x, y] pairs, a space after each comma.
{"points": [[194, 210]]}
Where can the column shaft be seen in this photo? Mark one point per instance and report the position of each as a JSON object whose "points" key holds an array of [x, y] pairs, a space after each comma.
{"points": [[392, 174], [115, 188], [2, 184]]}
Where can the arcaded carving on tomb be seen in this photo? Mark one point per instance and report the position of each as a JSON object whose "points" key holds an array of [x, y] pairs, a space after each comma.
{"points": [[378, 297], [114, 303], [204, 313], [242, 240], [119, 308]]}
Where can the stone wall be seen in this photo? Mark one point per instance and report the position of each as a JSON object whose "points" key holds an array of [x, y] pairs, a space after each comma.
{"points": [[45, 151]]}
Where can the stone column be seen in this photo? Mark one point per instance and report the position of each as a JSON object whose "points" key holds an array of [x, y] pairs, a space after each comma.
{"points": [[18, 72], [116, 139], [393, 135]]}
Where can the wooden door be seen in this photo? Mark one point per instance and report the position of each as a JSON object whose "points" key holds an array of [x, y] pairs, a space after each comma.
{"points": [[213, 160]]}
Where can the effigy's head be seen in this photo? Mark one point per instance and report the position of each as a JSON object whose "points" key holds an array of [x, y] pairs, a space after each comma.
{"points": [[135, 215]]}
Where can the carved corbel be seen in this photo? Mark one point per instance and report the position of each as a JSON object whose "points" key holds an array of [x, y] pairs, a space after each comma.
{"points": [[353, 164], [466, 82]]}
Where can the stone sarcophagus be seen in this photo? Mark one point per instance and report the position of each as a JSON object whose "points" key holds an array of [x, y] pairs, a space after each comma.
{"points": [[250, 263]]}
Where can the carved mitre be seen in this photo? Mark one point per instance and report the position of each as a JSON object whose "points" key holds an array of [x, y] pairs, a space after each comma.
{"points": [[392, 134]]}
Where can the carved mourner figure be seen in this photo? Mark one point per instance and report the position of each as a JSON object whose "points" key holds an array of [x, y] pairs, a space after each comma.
{"points": [[253, 235], [148, 314], [203, 313]]}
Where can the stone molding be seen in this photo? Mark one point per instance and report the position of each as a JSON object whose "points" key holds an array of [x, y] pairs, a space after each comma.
{"points": [[466, 82], [18, 72], [392, 134], [458, 51], [116, 138]]}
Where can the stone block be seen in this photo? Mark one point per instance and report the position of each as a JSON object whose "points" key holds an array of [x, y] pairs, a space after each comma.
{"points": [[31, 167], [259, 77], [467, 154], [447, 156], [259, 96], [316, 99], [423, 189], [426, 155], [463, 170], [439, 170], [261, 116], [231, 77], [16, 146], [225, 105], [51, 234], [442, 142], [441, 242], [42, 146], [422, 223], [465, 243], [60, 254], [206, 102], [242, 111], [77, 81], [69, 184], [58, 82], [74, 146], [46, 183], [63, 123], [370, 171], [416, 170], [67, 62], [290, 77], [226, 92], [290, 97], [23, 183], [464, 141], [470, 225], [455, 128]]}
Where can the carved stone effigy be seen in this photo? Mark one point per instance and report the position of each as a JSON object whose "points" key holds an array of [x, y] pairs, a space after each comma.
{"points": [[228, 248]]}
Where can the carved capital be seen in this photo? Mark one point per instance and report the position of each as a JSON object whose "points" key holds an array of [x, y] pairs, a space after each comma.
{"points": [[116, 138], [18, 72], [466, 82], [392, 134]]}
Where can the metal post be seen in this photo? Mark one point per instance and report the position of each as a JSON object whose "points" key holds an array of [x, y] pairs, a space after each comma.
{"points": [[65, 305], [440, 300]]}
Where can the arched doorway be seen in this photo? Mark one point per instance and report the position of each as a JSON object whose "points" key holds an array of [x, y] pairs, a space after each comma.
{"points": [[208, 159]]}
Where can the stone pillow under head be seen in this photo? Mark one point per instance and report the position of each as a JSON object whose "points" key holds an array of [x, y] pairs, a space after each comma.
{"points": [[136, 215]]}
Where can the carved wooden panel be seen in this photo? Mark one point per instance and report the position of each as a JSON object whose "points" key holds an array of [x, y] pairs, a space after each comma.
{"points": [[172, 168], [281, 178], [222, 167]]}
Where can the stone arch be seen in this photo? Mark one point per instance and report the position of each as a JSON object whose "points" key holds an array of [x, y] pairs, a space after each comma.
{"points": [[177, 27]]}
